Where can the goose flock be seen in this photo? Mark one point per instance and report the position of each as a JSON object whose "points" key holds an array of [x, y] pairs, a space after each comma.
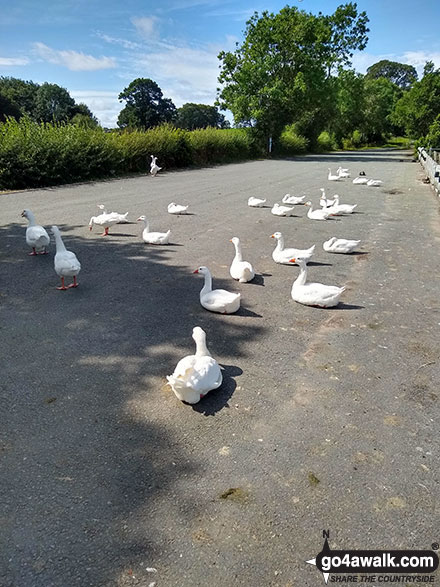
{"points": [[196, 375]]}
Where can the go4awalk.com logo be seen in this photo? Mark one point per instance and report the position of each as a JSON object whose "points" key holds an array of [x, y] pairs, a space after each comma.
{"points": [[381, 566]]}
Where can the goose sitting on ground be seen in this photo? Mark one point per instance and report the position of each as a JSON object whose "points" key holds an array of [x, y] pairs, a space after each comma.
{"points": [[332, 177], [283, 256], [119, 217], [104, 220], [341, 209], [375, 183], [360, 180], [293, 200], [36, 235], [177, 208], [279, 210], [313, 294], [324, 202], [241, 270], [343, 172], [321, 214], [65, 262], [153, 238], [340, 245], [217, 300], [154, 168], [256, 202], [196, 375]]}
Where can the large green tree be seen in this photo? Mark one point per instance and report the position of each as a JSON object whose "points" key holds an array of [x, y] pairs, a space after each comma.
{"points": [[281, 72], [400, 74], [53, 104], [349, 104], [380, 97], [20, 93], [145, 105], [191, 116]]}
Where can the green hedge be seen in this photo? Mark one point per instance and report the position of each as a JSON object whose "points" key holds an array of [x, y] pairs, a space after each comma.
{"points": [[37, 155]]}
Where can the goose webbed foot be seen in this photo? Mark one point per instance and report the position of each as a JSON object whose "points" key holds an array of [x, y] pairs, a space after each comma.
{"points": [[34, 252], [74, 284], [63, 287]]}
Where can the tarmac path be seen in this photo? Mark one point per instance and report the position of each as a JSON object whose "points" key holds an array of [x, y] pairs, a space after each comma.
{"points": [[327, 419]]}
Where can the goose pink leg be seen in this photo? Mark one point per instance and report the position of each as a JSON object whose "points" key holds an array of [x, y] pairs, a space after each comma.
{"points": [[105, 233], [63, 287], [74, 284]]}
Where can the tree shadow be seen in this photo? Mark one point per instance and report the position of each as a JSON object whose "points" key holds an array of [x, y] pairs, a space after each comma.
{"points": [[218, 399]]}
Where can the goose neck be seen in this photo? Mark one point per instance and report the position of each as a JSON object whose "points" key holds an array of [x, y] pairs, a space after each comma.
{"points": [[207, 287], [59, 242], [31, 218], [301, 279], [201, 348], [238, 253]]}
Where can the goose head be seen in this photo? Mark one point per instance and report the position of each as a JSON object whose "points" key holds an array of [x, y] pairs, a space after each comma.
{"points": [[299, 260], [331, 241], [276, 235], [203, 270], [25, 213], [198, 334], [141, 219], [55, 230], [308, 203], [235, 240], [92, 221]]}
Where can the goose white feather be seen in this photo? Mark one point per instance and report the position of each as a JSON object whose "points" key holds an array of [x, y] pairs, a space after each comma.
{"points": [[153, 238], [293, 200], [324, 202], [313, 294], [174, 208], [119, 217], [196, 375], [360, 180], [279, 210], [331, 176], [65, 262], [340, 245], [256, 202], [320, 214], [340, 209], [343, 173], [36, 235], [104, 220], [154, 168], [375, 183], [284, 256], [240, 270], [217, 300]]}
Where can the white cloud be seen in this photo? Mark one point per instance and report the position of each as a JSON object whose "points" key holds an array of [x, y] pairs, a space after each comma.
{"points": [[418, 59], [118, 41], [72, 59], [146, 26], [362, 61], [13, 61]]}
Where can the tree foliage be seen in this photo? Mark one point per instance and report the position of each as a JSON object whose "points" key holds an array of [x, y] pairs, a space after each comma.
{"points": [[53, 104], [191, 116], [145, 105], [400, 74], [280, 74]]}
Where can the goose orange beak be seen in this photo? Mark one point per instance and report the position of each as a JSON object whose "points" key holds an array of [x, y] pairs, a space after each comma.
{"points": [[90, 227], [292, 260], [272, 236], [196, 271]]}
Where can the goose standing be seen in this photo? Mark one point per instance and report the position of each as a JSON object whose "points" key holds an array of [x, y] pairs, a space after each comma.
{"points": [[104, 220], [65, 262], [344, 173], [196, 375], [154, 168], [217, 300], [332, 177], [240, 270], [293, 200], [119, 217], [313, 294], [174, 208], [36, 235], [341, 209], [283, 256], [324, 202], [256, 202], [340, 245], [322, 214], [279, 210], [153, 238]]}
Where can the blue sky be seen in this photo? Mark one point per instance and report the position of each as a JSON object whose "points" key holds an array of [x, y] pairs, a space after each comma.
{"points": [[95, 49]]}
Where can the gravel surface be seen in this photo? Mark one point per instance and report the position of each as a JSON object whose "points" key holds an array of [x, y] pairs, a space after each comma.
{"points": [[327, 419]]}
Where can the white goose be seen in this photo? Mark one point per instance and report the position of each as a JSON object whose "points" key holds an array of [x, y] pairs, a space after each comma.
{"points": [[241, 270], [375, 183], [174, 208], [196, 375], [341, 209], [283, 256], [217, 300], [279, 210], [332, 177], [256, 202], [324, 202], [65, 262], [321, 214], [343, 172], [153, 238], [360, 180], [293, 200], [36, 235], [154, 168], [119, 217], [313, 294], [340, 245], [104, 220]]}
